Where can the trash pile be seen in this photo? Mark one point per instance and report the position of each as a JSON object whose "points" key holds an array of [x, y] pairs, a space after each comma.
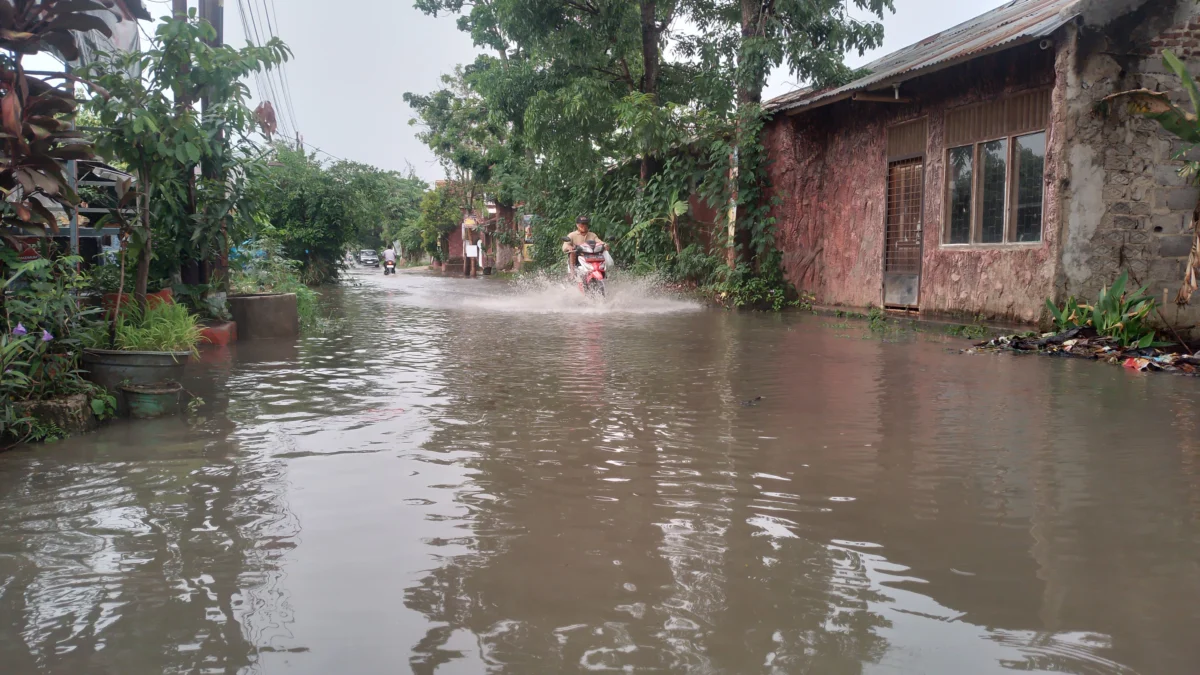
{"points": [[1085, 343]]}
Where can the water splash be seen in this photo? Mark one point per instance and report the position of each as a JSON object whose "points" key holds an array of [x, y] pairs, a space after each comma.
{"points": [[543, 294]]}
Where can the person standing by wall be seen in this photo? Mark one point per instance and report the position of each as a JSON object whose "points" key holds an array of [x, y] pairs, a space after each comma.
{"points": [[471, 241]]}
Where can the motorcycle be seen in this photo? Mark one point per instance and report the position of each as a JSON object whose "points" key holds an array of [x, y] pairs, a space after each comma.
{"points": [[591, 268], [389, 267]]}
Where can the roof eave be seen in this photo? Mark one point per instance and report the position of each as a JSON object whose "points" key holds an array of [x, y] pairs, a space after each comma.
{"points": [[814, 103]]}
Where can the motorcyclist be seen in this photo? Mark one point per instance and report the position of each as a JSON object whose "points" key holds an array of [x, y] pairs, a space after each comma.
{"points": [[389, 256], [581, 234]]}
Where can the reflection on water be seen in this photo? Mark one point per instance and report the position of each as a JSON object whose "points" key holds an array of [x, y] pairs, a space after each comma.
{"points": [[476, 478]]}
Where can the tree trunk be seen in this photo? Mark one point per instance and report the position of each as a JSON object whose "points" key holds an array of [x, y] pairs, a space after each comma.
{"points": [[751, 76], [752, 65], [651, 58], [650, 55], [143, 266]]}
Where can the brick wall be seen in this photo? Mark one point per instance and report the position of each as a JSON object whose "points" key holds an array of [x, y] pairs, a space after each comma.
{"points": [[829, 170], [1131, 209]]}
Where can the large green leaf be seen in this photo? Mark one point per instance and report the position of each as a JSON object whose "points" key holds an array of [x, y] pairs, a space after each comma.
{"points": [[1185, 77]]}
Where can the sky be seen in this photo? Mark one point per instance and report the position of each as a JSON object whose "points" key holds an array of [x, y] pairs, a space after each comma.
{"points": [[347, 87]]}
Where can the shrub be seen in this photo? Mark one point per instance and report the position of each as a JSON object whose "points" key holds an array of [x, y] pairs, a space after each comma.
{"points": [[694, 265], [42, 339], [1117, 314], [766, 289], [260, 266]]}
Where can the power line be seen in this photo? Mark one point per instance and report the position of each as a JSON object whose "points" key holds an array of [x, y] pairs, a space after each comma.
{"points": [[263, 92], [266, 87], [272, 75], [342, 159], [287, 89], [266, 74], [285, 101]]}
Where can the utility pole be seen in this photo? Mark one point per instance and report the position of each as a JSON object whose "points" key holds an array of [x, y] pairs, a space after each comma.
{"points": [[214, 12]]}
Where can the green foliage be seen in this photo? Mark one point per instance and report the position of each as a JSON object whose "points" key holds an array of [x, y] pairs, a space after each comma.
{"points": [[43, 322], [1117, 313], [765, 290], [1073, 314], [273, 272], [972, 331], [877, 320], [314, 212], [625, 111], [41, 431], [103, 404], [156, 130], [106, 279], [194, 406], [458, 126], [440, 215], [693, 265], [201, 300], [383, 202], [160, 327], [43, 331]]}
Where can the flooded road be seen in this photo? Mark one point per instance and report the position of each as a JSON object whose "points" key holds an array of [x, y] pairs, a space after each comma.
{"points": [[472, 478]]}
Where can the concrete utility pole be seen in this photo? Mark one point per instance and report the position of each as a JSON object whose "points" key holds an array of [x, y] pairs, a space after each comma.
{"points": [[214, 12]]}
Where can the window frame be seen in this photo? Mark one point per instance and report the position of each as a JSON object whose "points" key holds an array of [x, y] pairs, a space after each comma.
{"points": [[1011, 182]]}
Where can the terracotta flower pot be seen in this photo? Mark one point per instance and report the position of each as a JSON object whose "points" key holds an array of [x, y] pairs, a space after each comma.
{"points": [[127, 299]]}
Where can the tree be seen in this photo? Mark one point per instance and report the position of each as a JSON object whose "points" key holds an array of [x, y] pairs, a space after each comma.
{"points": [[581, 91], [469, 142], [402, 209], [384, 201], [440, 215], [162, 140], [316, 213]]}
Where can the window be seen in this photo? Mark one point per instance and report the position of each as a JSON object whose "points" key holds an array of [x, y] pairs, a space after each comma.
{"points": [[1031, 165], [962, 177], [995, 173], [995, 170]]}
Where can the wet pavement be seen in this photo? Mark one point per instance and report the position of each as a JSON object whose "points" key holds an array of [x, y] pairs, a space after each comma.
{"points": [[471, 477]]}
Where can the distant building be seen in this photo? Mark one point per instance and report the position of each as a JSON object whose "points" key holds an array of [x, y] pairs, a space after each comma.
{"points": [[976, 173]]}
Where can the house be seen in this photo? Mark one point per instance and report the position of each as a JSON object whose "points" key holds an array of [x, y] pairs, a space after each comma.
{"points": [[977, 172]]}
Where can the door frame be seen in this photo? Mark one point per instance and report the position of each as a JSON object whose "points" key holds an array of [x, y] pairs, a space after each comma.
{"points": [[883, 259]]}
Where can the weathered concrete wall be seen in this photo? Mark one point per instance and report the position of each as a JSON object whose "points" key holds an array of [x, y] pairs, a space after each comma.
{"points": [[829, 167], [1127, 206]]}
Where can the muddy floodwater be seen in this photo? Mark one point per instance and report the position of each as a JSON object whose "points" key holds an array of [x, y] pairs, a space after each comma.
{"points": [[472, 477]]}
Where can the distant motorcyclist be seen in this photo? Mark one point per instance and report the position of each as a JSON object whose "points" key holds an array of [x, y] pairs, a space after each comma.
{"points": [[389, 256], [581, 234]]}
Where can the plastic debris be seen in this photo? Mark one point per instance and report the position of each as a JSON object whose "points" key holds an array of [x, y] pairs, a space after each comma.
{"points": [[1085, 343]]}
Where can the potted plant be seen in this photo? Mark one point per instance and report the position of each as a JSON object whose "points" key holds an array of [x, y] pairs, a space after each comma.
{"points": [[268, 297], [143, 346], [106, 282], [217, 326]]}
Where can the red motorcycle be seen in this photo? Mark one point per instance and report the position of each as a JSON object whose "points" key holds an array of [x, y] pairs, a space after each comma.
{"points": [[591, 268]]}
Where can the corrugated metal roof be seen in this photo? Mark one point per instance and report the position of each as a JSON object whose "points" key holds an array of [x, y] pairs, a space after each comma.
{"points": [[1018, 22]]}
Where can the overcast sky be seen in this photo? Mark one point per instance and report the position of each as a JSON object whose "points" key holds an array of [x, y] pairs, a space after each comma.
{"points": [[347, 86]]}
